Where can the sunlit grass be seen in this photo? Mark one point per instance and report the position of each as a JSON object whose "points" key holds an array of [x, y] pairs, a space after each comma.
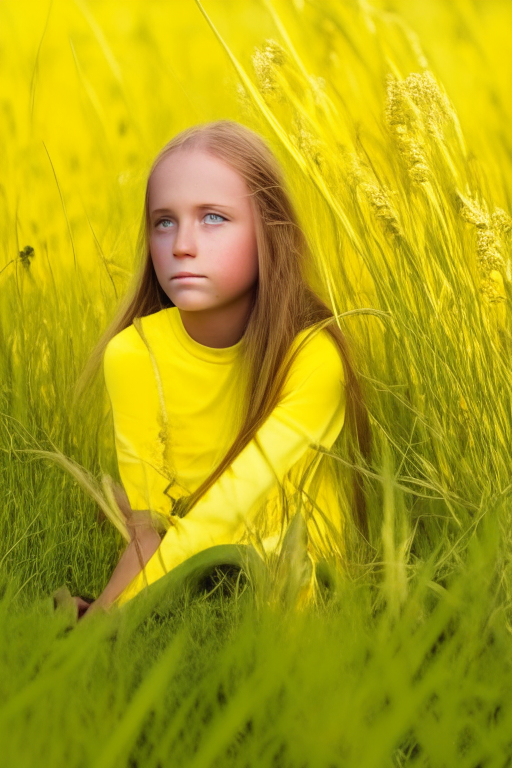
{"points": [[391, 123]]}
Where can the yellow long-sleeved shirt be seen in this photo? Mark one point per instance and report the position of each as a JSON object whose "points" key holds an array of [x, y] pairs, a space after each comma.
{"points": [[172, 406]]}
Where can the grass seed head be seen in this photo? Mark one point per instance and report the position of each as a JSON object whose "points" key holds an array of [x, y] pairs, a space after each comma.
{"points": [[307, 143], [416, 109], [378, 197], [25, 255], [265, 60], [489, 232]]}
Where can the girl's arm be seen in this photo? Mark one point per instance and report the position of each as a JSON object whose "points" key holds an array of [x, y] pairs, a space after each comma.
{"points": [[311, 413], [130, 564], [145, 540]]}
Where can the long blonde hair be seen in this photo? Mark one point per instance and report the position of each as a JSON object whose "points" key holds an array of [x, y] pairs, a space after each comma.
{"points": [[284, 304]]}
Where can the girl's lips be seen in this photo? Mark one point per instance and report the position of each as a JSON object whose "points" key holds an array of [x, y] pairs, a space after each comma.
{"points": [[187, 277]]}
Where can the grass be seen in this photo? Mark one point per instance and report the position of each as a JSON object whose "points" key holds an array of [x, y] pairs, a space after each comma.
{"points": [[390, 122]]}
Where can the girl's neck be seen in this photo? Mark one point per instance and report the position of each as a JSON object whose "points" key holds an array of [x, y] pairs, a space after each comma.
{"points": [[218, 327]]}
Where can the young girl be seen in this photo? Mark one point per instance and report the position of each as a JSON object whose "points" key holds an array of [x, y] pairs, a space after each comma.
{"points": [[226, 373]]}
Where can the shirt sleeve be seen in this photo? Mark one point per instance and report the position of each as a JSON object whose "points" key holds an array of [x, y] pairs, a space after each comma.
{"points": [[133, 394], [313, 401]]}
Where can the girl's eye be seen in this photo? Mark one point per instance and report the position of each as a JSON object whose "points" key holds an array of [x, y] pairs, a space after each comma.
{"points": [[162, 221]]}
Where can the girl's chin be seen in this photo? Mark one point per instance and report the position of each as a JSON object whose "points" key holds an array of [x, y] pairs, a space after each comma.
{"points": [[187, 304]]}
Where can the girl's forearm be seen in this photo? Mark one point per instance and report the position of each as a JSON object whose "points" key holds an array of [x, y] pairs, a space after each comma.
{"points": [[128, 567]]}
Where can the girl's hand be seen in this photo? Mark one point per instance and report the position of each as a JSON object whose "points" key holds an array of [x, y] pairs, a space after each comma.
{"points": [[94, 607], [81, 606], [62, 598]]}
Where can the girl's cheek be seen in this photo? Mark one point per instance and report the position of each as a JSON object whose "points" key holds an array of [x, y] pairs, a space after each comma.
{"points": [[243, 268], [157, 253], [158, 265]]}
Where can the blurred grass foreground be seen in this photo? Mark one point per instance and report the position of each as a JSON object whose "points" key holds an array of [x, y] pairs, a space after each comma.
{"points": [[392, 121]]}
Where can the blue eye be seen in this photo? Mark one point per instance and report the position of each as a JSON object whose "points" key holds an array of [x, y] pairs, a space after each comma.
{"points": [[207, 214]]}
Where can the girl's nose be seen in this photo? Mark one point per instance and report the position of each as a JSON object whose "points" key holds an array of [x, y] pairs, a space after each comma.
{"points": [[185, 243]]}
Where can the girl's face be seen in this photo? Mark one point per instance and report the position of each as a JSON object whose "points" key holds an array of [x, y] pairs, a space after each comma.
{"points": [[202, 222]]}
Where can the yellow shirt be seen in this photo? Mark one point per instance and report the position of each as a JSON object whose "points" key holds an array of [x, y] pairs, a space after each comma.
{"points": [[172, 401]]}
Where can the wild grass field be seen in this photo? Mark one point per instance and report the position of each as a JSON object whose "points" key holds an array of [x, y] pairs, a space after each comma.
{"points": [[391, 119]]}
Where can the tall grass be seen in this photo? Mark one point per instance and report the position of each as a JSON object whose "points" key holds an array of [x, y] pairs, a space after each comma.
{"points": [[390, 120]]}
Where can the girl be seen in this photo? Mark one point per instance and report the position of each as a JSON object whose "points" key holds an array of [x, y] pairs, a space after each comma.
{"points": [[226, 373]]}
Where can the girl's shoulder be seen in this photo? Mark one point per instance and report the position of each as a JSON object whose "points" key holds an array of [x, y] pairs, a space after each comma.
{"points": [[317, 345], [127, 344], [318, 353], [127, 368]]}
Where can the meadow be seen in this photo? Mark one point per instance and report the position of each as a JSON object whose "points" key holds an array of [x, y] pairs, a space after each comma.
{"points": [[391, 121]]}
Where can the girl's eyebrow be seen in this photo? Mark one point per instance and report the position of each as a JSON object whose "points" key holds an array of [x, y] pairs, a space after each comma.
{"points": [[199, 207]]}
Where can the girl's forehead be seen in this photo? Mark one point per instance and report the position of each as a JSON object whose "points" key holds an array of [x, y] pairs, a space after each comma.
{"points": [[195, 161], [194, 172]]}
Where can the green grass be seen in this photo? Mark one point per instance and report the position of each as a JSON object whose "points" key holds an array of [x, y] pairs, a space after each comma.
{"points": [[191, 680], [406, 199]]}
